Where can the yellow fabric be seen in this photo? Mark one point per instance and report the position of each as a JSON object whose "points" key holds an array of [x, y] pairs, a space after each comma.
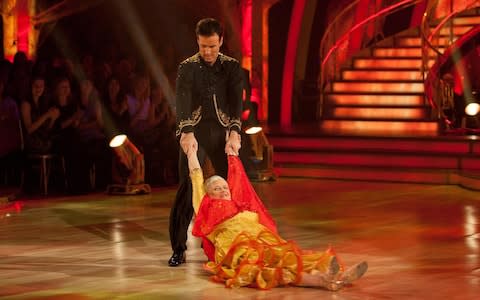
{"points": [[225, 233], [263, 260], [249, 254], [198, 191]]}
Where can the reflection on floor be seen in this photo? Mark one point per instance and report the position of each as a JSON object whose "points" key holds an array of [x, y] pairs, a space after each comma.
{"points": [[421, 242]]}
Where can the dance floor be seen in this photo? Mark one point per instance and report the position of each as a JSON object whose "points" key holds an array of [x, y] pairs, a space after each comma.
{"points": [[421, 242]]}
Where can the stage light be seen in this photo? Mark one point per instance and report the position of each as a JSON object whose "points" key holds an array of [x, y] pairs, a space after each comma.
{"points": [[250, 120], [472, 109], [257, 157], [128, 170], [252, 129]]}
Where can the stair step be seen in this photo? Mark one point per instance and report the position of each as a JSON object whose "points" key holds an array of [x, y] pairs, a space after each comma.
{"points": [[387, 63], [457, 30], [413, 31], [380, 127], [372, 144], [385, 160], [466, 20], [417, 41], [372, 99], [402, 52], [476, 149], [381, 75], [474, 11], [380, 175], [303, 151], [378, 87], [379, 113], [378, 160], [414, 52]]}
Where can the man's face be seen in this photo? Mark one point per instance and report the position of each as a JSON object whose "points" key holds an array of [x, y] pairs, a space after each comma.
{"points": [[209, 47]]}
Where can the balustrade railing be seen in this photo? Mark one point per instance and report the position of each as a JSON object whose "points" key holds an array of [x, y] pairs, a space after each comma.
{"points": [[438, 35], [355, 27]]}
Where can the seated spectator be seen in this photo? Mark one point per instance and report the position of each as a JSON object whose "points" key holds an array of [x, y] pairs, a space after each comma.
{"points": [[10, 135], [38, 118], [138, 108], [66, 141], [19, 78], [90, 135], [161, 151], [115, 113], [9, 124], [90, 123], [160, 114], [63, 100]]}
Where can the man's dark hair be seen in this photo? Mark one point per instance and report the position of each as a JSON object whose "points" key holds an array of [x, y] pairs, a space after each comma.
{"points": [[208, 27]]}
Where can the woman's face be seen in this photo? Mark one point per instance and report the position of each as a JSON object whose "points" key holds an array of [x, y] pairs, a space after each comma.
{"points": [[157, 95], [141, 87], [86, 87], [113, 87], [63, 91], [38, 87], [219, 189]]}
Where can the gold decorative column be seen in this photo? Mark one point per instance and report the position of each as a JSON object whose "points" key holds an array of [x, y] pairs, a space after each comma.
{"points": [[9, 28], [259, 76], [11, 10], [33, 32]]}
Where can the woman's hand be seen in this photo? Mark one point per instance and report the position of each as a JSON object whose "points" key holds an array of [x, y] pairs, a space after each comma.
{"points": [[193, 162], [54, 113], [188, 142]]}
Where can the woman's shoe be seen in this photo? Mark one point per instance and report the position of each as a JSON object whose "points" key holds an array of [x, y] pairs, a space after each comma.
{"points": [[333, 267], [355, 272], [326, 281]]}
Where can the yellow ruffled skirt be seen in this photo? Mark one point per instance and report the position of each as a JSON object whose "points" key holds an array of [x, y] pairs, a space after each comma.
{"points": [[265, 261]]}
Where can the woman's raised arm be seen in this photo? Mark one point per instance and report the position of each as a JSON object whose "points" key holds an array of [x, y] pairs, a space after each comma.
{"points": [[196, 175]]}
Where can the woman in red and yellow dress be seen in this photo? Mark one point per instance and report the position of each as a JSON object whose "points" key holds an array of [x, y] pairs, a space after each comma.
{"points": [[241, 241]]}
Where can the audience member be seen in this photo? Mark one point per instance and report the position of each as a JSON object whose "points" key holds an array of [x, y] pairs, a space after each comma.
{"points": [[9, 120], [115, 112], [138, 108], [160, 146], [94, 147], [66, 142], [38, 118], [10, 147], [76, 123]]}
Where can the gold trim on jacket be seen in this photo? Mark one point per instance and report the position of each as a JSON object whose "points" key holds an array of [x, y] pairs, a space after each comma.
{"points": [[193, 120], [223, 118]]}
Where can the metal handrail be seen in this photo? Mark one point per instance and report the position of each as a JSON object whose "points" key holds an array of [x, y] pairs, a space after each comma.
{"points": [[331, 25], [429, 74], [382, 13]]}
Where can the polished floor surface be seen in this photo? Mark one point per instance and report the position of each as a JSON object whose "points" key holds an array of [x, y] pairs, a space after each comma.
{"points": [[421, 242]]}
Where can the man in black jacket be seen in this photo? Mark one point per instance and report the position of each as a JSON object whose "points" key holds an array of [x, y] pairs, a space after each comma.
{"points": [[209, 103]]}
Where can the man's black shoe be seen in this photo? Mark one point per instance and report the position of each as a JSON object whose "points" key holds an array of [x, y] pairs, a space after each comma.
{"points": [[177, 259]]}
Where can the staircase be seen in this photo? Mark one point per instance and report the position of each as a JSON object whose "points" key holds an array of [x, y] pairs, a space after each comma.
{"points": [[376, 125], [381, 90], [432, 160]]}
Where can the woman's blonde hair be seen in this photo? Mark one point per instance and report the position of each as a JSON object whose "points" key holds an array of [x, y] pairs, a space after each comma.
{"points": [[211, 180]]}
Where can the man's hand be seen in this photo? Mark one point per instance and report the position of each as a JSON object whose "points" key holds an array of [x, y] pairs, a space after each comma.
{"points": [[233, 144], [188, 142]]}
